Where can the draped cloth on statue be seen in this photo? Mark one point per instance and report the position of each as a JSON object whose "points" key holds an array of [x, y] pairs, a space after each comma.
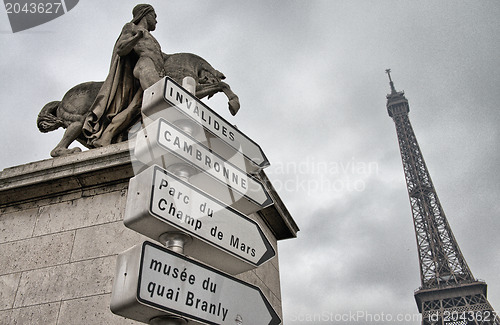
{"points": [[120, 89]]}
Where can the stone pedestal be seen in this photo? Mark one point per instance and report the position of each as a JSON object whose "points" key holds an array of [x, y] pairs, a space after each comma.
{"points": [[61, 229]]}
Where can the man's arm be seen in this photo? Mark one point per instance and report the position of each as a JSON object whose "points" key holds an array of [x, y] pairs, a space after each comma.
{"points": [[128, 39]]}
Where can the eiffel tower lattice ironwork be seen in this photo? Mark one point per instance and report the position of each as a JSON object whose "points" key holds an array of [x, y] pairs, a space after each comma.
{"points": [[449, 293]]}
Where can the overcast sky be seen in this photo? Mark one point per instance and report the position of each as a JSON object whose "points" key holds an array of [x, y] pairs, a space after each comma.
{"points": [[311, 81]]}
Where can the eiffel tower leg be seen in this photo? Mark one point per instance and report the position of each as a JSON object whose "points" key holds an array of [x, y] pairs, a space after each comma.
{"points": [[464, 305]]}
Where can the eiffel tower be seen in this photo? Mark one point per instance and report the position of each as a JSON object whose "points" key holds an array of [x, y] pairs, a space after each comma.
{"points": [[449, 294]]}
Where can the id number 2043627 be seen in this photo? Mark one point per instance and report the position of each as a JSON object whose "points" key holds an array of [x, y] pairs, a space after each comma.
{"points": [[33, 7], [469, 316]]}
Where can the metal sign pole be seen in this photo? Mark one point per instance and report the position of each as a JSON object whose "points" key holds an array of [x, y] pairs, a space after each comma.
{"points": [[168, 320], [175, 240]]}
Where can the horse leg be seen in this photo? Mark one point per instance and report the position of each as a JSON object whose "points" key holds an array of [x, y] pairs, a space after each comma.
{"points": [[72, 132], [234, 101], [211, 89], [204, 90]]}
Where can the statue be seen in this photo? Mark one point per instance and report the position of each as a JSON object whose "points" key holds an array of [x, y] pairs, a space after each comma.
{"points": [[99, 113]]}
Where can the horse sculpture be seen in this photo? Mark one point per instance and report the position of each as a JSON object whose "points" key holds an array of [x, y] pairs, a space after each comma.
{"points": [[71, 111]]}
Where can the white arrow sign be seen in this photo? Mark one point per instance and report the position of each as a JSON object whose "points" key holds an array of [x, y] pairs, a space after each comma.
{"points": [[166, 94], [165, 144], [152, 281], [159, 202]]}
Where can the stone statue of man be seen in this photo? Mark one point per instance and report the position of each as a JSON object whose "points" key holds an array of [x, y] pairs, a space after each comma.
{"points": [[137, 63]]}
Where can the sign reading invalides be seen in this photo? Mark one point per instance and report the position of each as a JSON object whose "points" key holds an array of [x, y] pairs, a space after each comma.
{"points": [[178, 104]]}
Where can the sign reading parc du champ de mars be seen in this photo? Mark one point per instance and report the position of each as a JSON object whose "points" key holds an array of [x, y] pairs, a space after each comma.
{"points": [[151, 281], [159, 202]]}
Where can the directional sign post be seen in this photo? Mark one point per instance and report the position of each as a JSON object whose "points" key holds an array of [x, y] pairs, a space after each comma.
{"points": [[169, 100], [152, 281], [195, 197], [159, 202], [165, 144]]}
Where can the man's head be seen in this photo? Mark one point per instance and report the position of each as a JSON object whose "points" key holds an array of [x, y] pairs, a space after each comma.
{"points": [[144, 11]]}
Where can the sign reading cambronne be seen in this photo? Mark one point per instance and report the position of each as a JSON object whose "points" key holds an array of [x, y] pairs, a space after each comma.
{"points": [[163, 143], [189, 106], [159, 202], [152, 281]]}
